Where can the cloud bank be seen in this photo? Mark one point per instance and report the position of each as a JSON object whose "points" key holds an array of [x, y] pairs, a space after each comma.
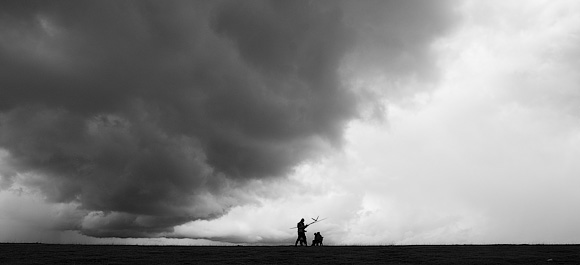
{"points": [[489, 156], [141, 116]]}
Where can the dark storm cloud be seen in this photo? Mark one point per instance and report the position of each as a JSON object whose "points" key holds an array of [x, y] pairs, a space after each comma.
{"points": [[395, 36], [149, 114]]}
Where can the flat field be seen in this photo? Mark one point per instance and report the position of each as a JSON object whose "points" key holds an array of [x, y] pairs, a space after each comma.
{"points": [[429, 254]]}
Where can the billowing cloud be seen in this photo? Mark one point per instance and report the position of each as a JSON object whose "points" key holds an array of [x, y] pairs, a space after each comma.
{"points": [[488, 157], [147, 115]]}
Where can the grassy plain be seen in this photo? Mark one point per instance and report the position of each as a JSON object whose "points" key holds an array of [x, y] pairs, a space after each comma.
{"points": [[428, 254]]}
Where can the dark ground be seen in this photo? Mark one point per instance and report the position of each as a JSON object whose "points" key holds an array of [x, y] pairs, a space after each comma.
{"points": [[447, 254]]}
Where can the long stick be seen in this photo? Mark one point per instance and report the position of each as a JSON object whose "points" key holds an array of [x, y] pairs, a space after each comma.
{"points": [[317, 221], [311, 223]]}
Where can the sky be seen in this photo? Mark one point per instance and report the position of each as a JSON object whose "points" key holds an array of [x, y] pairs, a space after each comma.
{"points": [[226, 122]]}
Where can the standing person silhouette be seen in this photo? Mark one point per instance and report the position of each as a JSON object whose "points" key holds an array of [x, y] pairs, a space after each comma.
{"points": [[301, 233]]}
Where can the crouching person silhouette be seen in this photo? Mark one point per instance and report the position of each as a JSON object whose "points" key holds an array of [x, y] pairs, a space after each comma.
{"points": [[317, 239], [301, 233]]}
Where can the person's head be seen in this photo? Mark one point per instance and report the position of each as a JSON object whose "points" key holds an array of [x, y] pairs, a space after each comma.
{"points": [[302, 220]]}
